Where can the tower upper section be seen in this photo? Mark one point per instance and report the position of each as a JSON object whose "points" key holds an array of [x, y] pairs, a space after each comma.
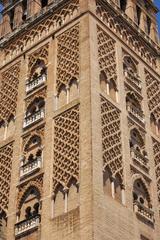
{"points": [[18, 13]]}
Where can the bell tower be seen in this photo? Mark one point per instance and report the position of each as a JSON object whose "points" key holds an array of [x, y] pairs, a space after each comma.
{"points": [[79, 120]]}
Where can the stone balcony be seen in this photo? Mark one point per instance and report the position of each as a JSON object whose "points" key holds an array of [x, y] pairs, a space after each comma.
{"points": [[136, 113], [143, 212], [30, 167], [38, 115], [139, 159], [35, 83], [27, 225], [133, 80]]}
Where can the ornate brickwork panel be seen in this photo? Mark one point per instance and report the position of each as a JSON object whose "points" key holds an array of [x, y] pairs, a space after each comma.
{"points": [[9, 92], [125, 32], [106, 54], [68, 56], [156, 151], [111, 138], [50, 24], [41, 54], [5, 175], [66, 147], [153, 94], [36, 182]]}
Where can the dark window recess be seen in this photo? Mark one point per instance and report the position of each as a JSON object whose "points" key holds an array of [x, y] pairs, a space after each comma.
{"points": [[148, 25], [24, 5], [123, 4], [11, 15], [138, 9], [44, 3]]}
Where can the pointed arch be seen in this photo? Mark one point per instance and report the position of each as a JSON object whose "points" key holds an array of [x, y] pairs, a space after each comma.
{"points": [[73, 89], [138, 178], [129, 64], [136, 138], [27, 190], [34, 140]]}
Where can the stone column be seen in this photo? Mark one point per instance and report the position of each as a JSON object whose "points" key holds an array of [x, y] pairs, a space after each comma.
{"points": [[130, 9], [143, 21], [6, 27], [33, 7], [18, 13], [154, 32]]}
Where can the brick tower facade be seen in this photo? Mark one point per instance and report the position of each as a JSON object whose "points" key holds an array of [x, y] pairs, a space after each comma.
{"points": [[79, 120]]}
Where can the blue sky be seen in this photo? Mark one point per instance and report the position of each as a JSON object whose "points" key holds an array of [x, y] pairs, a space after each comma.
{"points": [[157, 3]]}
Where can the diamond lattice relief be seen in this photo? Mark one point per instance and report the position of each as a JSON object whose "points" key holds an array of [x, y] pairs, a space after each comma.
{"points": [[66, 147], [111, 138], [9, 92], [67, 57], [156, 151], [5, 174], [153, 94], [106, 55]]}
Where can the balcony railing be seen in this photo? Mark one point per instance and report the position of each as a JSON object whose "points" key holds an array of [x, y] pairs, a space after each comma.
{"points": [[143, 211], [133, 80], [30, 167], [27, 225], [140, 159], [32, 84], [136, 113], [38, 115]]}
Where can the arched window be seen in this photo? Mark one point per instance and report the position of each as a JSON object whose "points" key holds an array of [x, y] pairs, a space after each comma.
{"points": [[35, 111], [30, 204], [31, 162], [140, 194], [132, 100], [136, 140], [129, 65], [38, 75]]}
